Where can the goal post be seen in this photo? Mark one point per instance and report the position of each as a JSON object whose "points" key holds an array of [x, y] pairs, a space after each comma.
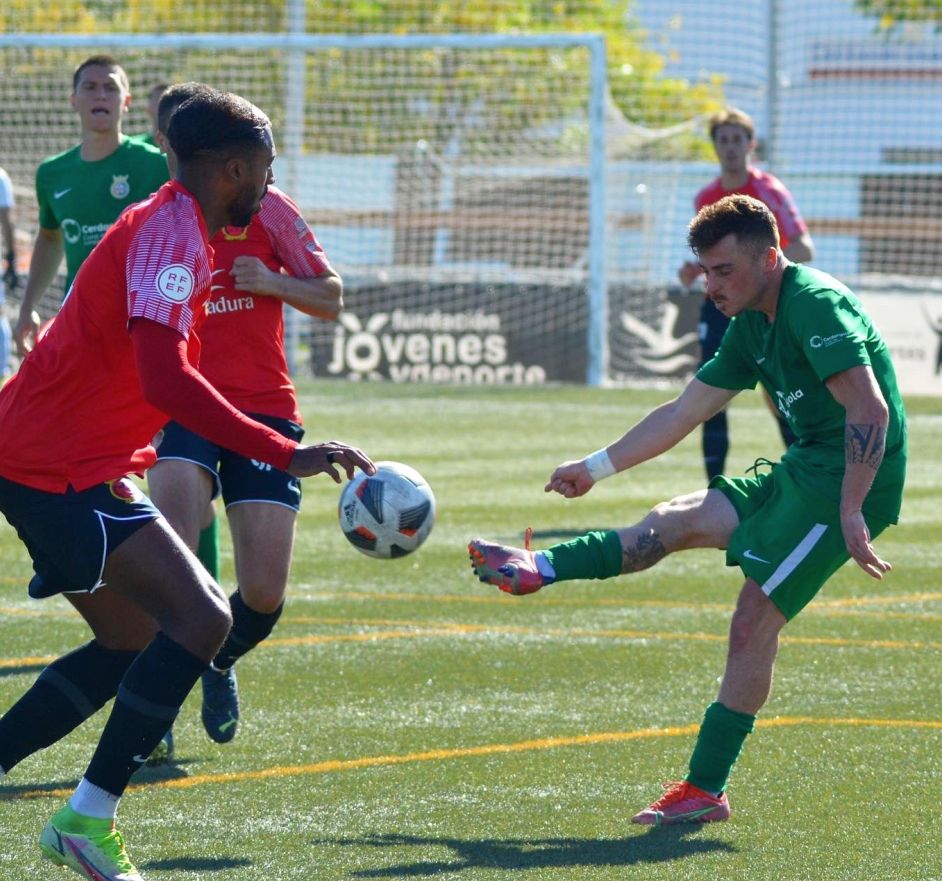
{"points": [[469, 169]]}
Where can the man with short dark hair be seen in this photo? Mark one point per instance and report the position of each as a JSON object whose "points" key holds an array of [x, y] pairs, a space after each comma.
{"points": [[79, 416], [82, 191], [806, 339]]}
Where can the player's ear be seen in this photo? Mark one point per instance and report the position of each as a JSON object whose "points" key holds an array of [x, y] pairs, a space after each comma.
{"points": [[235, 169]]}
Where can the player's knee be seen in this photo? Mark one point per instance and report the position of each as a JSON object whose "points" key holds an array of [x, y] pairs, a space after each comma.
{"points": [[264, 599]]}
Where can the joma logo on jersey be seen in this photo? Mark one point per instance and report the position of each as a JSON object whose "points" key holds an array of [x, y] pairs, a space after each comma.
{"points": [[785, 401], [822, 342]]}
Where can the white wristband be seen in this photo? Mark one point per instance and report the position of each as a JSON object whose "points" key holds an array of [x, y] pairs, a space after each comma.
{"points": [[599, 465]]}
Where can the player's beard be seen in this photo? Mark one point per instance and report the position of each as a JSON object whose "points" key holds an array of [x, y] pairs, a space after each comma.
{"points": [[243, 209]]}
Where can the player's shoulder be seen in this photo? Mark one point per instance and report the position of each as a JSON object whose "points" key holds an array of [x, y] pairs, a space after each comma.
{"points": [[279, 210], [709, 194], [58, 162], [143, 153], [170, 212], [765, 180], [809, 293]]}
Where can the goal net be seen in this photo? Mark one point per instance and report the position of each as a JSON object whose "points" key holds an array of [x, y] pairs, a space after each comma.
{"points": [[450, 180]]}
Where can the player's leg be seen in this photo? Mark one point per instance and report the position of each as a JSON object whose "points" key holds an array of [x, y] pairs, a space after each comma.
{"points": [[788, 544], [182, 483], [153, 570], [77, 685], [182, 490], [704, 519], [207, 550], [715, 438], [261, 505]]}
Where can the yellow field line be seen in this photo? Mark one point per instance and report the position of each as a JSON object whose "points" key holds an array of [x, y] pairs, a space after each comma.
{"points": [[423, 630], [847, 606], [438, 755], [434, 628]]}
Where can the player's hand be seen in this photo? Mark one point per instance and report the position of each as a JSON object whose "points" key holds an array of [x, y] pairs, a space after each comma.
{"points": [[857, 538], [323, 458], [689, 273], [571, 479], [25, 333], [250, 274]]}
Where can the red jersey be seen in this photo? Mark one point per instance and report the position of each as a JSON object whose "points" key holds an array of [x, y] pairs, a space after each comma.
{"points": [[258, 381], [75, 413], [766, 188]]}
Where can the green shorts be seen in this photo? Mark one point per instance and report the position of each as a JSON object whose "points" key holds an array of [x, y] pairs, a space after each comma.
{"points": [[788, 541]]}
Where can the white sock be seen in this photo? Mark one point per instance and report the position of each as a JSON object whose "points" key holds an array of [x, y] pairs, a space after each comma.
{"points": [[93, 801]]}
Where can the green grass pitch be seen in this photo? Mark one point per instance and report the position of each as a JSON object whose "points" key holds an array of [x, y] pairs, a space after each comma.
{"points": [[407, 722]]}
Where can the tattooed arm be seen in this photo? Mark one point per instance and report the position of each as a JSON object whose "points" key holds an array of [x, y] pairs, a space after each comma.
{"points": [[864, 439]]}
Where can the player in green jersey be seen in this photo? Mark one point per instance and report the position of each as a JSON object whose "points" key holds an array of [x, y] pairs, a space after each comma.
{"points": [[82, 191], [805, 338]]}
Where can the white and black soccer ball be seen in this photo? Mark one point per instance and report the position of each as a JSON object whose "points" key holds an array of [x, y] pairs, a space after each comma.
{"points": [[389, 513]]}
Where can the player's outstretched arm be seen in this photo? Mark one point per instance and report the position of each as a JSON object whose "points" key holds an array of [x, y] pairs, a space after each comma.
{"points": [[171, 384], [865, 426], [321, 459], [661, 429]]}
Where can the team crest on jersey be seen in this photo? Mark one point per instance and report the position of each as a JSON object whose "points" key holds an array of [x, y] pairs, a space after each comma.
{"points": [[120, 186], [235, 233], [124, 490], [175, 283]]}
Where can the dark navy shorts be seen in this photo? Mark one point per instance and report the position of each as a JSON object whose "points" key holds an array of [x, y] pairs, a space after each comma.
{"points": [[713, 324], [70, 535], [238, 478]]}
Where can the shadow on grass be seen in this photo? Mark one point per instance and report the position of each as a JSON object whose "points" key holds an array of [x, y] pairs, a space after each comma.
{"points": [[144, 777], [196, 864], [656, 846], [10, 792], [21, 669]]}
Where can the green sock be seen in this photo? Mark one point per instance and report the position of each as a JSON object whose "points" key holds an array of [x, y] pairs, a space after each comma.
{"points": [[719, 743], [593, 555], [208, 550]]}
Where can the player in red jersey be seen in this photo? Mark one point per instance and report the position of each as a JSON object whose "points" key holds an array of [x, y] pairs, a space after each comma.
{"points": [[117, 362], [273, 260], [733, 134]]}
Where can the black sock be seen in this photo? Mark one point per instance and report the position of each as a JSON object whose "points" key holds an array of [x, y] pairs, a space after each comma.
{"points": [[149, 698], [715, 444], [249, 628], [66, 693]]}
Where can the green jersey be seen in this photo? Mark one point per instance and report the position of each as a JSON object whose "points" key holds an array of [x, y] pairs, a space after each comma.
{"points": [[84, 198], [146, 138], [820, 329]]}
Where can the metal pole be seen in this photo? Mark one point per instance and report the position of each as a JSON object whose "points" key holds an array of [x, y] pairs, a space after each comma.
{"points": [[598, 356], [772, 86], [293, 150]]}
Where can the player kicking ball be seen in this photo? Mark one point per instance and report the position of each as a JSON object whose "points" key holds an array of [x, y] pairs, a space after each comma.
{"points": [[806, 339]]}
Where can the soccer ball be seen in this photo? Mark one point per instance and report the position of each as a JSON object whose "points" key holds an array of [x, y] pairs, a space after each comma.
{"points": [[389, 513]]}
